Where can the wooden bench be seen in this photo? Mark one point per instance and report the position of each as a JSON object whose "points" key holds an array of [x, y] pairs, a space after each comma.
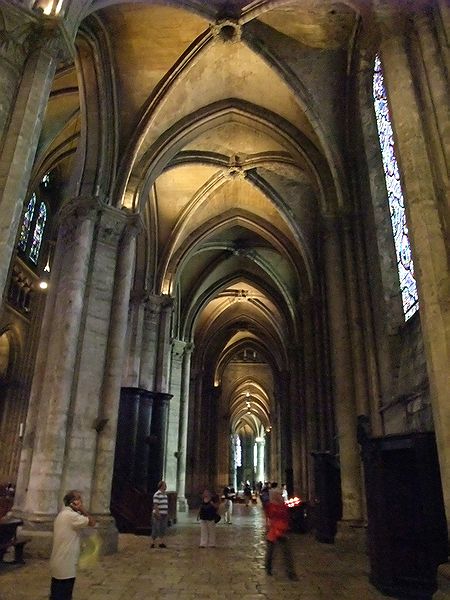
{"points": [[9, 539]]}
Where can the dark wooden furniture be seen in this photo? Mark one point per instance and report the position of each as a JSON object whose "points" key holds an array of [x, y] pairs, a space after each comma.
{"points": [[9, 539], [139, 457], [327, 509], [407, 529]]}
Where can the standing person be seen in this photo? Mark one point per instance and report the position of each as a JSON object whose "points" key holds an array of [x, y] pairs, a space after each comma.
{"points": [[264, 494], [160, 515], [66, 545], [247, 493], [277, 514], [208, 516], [228, 504]]}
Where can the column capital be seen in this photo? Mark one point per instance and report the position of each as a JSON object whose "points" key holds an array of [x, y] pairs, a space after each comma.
{"points": [[23, 33], [133, 224], [16, 30], [154, 303], [178, 348], [112, 224], [80, 208], [74, 214], [393, 18], [49, 36]]}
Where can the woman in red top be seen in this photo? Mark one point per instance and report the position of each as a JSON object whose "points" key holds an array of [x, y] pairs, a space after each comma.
{"points": [[277, 514]]}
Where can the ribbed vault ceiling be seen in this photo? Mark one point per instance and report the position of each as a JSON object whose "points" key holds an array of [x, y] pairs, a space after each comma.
{"points": [[217, 137]]}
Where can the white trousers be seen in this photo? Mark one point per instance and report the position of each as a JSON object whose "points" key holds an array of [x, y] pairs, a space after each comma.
{"points": [[228, 511], [207, 533]]}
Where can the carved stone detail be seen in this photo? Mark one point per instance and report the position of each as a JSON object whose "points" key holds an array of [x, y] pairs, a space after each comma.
{"points": [[235, 169], [228, 30], [52, 37], [178, 348], [22, 34], [74, 212], [111, 226], [15, 38]]}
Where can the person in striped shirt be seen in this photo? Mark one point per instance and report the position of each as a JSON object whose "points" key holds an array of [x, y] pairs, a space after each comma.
{"points": [[160, 515]]}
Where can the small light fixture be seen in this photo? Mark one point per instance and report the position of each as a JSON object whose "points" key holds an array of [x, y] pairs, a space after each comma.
{"points": [[43, 284]]}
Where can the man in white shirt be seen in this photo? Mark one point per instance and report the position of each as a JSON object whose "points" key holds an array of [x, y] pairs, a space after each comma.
{"points": [[66, 545]]}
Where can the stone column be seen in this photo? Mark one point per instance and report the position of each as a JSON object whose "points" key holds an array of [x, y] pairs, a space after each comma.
{"points": [[183, 429], [355, 320], [158, 439], [44, 43], [39, 483], [176, 376], [431, 53], [198, 399], [84, 427], [150, 341], [427, 212], [308, 400], [260, 455], [142, 453], [231, 463], [135, 329], [162, 374], [286, 427], [110, 394], [342, 377]]}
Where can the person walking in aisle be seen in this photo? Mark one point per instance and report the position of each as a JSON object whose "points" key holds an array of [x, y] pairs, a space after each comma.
{"points": [[228, 495], [160, 515], [277, 514], [208, 516]]}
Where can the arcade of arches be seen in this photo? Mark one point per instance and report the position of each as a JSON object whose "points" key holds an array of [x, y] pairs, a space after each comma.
{"points": [[210, 216]]}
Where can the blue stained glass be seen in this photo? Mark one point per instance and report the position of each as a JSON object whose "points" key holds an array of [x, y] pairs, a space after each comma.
{"points": [[405, 263], [46, 180], [38, 233], [28, 217]]}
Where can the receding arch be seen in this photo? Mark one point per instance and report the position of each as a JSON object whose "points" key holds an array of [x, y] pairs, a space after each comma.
{"points": [[249, 221], [141, 176]]}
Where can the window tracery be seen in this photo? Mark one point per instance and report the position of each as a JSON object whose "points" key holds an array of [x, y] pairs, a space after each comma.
{"points": [[26, 223], [38, 233], [405, 264], [33, 225]]}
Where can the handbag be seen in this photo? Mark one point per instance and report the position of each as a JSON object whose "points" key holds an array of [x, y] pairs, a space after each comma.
{"points": [[217, 518]]}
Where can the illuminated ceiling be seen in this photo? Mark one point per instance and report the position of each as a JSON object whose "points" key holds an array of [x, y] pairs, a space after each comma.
{"points": [[221, 127]]}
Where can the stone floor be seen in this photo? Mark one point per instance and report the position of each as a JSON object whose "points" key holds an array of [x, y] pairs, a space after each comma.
{"points": [[183, 571]]}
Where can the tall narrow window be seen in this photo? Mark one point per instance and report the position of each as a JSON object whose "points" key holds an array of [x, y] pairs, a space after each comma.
{"points": [[38, 233], [33, 224], [26, 223], [405, 263]]}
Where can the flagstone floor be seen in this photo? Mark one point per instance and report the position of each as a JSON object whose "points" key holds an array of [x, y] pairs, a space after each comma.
{"points": [[183, 571]]}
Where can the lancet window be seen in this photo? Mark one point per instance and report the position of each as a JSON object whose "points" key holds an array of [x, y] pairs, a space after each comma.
{"points": [[33, 226], [396, 202]]}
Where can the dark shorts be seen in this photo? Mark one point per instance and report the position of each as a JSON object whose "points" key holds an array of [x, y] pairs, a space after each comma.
{"points": [[61, 589]]}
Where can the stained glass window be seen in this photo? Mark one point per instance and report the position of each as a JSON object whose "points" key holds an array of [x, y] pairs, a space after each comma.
{"points": [[33, 224], [26, 223], [405, 263], [38, 233]]}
